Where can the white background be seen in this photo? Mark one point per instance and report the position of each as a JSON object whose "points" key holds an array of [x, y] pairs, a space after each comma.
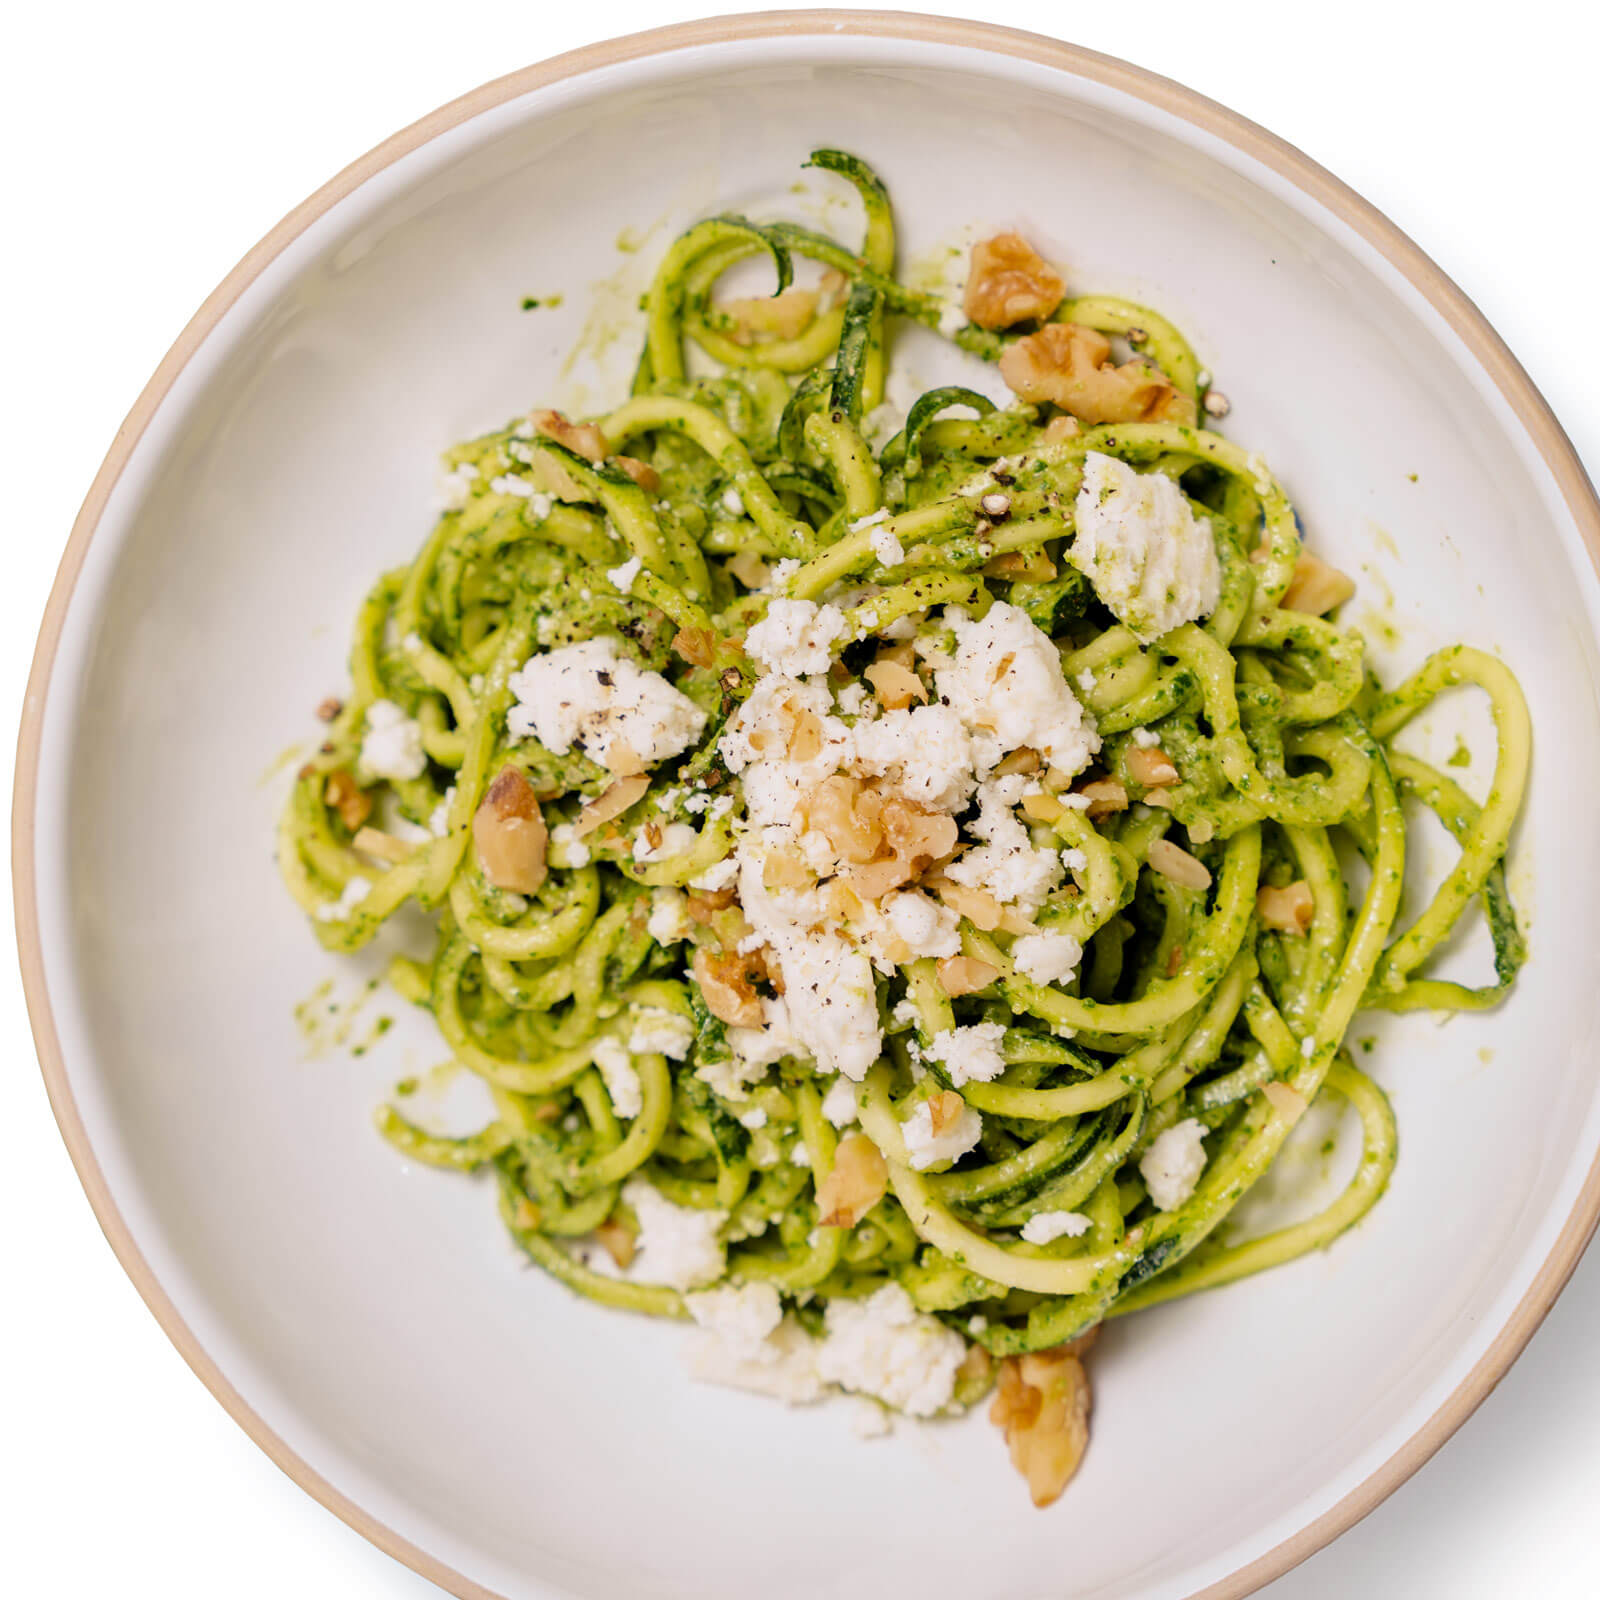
{"points": [[147, 146]]}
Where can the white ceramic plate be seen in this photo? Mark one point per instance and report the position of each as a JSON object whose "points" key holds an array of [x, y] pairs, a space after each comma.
{"points": [[368, 1323]]}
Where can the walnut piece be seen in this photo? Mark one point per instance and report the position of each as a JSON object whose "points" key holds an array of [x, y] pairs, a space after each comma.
{"points": [[1042, 1402], [959, 975], [1151, 767], [509, 834], [729, 994], [641, 472], [1010, 282], [1289, 909], [611, 802], [1070, 366], [914, 839], [895, 685], [621, 1243], [759, 318], [347, 797], [1316, 588], [858, 1180], [581, 438]]}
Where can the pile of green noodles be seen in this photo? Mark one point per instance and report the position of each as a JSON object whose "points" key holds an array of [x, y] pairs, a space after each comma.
{"points": [[1185, 1005]]}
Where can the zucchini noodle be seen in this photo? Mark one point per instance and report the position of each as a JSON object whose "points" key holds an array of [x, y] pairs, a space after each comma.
{"points": [[623, 987]]}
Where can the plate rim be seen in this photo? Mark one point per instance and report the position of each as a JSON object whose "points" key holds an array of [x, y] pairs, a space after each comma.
{"points": [[1441, 293]]}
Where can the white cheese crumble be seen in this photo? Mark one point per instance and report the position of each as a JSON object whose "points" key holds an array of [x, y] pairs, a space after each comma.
{"points": [[741, 1317], [755, 1119], [657, 1031], [923, 925], [620, 1077], [355, 891], [970, 1054], [783, 1366], [1046, 957], [732, 502], [839, 1104], [1146, 738], [439, 818], [1006, 864], [624, 575], [678, 1246], [718, 876], [455, 486], [1047, 1225], [392, 745], [574, 852], [925, 1148], [795, 636], [1139, 543], [887, 548], [676, 839], [590, 694], [669, 916], [884, 1347], [1171, 1167]]}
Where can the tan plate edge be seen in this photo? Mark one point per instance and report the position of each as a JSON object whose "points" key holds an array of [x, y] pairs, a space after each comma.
{"points": [[1283, 158]]}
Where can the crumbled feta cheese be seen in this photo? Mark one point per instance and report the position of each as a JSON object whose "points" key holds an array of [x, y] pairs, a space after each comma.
{"points": [[854, 701], [439, 818], [742, 1317], [660, 1032], [783, 1366], [732, 501], [794, 637], [1046, 957], [718, 876], [925, 752], [510, 483], [355, 891], [970, 1054], [676, 839], [1146, 738], [564, 836], [1044, 1226], [1075, 860], [839, 1104], [1006, 681], [455, 486], [624, 575], [884, 1347], [870, 1420], [620, 1076], [1308, 1046], [925, 1148], [392, 745], [782, 572], [678, 1246], [1006, 865], [753, 1119], [887, 548], [871, 520], [1171, 1167], [952, 318], [1086, 681], [928, 928], [669, 916], [1139, 543], [1075, 802], [591, 694]]}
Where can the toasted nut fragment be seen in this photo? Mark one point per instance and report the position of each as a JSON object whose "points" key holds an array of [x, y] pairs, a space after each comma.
{"points": [[777, 316], [959, 975], [729, 994], [848, 816], [943, 1109], [347, 797], [858, 1180], [1174, 960], [974, 1375], [704, 904], [780, 871], [1151, 767], [509, 834], [1014, 921], [979, 907], [554, 479], [895, 686], [1043, 1403], [1021, 566], [1059, 429], [526, 1214], [611, 803], [1289, 1103], [1175, 864], [1105, 795], [641, 472], [1042, 807], [328, 709], [1010, 282], [1070, 366], [380, 845], [1315, 587], [697, 646], [1159, 797], [1022, 759], [621, 759], [843, 902], [621, 1243], [751, 571], [581, 438], [914, 838], [805, 738], [1288, 909]]}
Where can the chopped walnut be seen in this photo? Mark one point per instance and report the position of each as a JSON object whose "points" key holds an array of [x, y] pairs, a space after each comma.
{"points": [[805, 738], [783, 871], [641, 472], [1010, 282], [620, 1242], [697, 646], [914, 839], [328, 709], [1151, 767], [1070, 366], [581, 438], [1316, 588], [1289, 909], [729, 994], [509, 834], [1022, 759], [959, 975], [857, 1181], [764, 317], [1175, 864], [1104, 795], [704, 904], [978, 906], [944, 1109], [895, 685], [1042, 1403], [848, 815], [611, 802], [347, 797], [381, 846]]}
